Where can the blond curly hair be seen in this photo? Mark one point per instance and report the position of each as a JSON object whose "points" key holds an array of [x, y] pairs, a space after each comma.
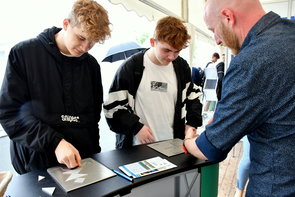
{"points": [[93, 18]]}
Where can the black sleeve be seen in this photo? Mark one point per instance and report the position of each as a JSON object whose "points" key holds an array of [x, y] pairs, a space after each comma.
{"points": [[119, 107], [16, 115], [220, 74], [193, 104]]}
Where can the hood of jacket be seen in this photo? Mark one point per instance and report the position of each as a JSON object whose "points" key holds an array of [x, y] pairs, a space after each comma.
{"points": [[47, 38]]}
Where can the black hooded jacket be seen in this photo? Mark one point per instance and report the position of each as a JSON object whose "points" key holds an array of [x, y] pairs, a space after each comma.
{"points": [[46, 97]]}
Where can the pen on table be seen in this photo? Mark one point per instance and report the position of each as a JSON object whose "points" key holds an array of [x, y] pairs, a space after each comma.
{"points": [[123, 175]]}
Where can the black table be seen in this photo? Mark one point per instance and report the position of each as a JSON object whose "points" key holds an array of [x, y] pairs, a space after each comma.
{"points": [[28, 184]]}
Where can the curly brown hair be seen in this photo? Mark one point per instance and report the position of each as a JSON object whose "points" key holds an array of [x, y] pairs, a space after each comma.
{"points": [[92, 17], [172, 31]]}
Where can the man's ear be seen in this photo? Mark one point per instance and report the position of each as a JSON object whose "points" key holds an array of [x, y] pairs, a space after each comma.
{"points": [[227, 16], [152, 42], [66, 23]]}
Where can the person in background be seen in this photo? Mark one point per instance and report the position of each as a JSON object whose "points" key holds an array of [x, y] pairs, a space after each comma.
{"points": [[210, 104], [198, 75], [220, 74], [152, 96], [215, 57], [262, 69], [51, 96], [243, 169]]}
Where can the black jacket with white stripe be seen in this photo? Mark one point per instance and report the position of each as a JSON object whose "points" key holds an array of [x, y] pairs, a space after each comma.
{"points": [[119, 108]]}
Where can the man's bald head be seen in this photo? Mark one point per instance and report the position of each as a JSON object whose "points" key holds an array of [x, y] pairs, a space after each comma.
{"points": [[236, 17]]}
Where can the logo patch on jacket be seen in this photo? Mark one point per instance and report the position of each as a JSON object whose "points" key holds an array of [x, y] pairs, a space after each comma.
{"points": [[68, 118]]}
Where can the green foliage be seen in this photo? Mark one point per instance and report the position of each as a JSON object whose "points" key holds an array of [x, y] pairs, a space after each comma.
{"points": [[142, 38]]}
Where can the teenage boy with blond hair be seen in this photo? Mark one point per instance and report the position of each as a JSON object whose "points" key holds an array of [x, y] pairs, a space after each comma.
{"points": [[51, 97]]}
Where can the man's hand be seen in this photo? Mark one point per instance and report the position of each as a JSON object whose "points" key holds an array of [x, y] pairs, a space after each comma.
{"points": [[190, 144], [190, 132], [67, 154], [145, 135], [189, 129]]}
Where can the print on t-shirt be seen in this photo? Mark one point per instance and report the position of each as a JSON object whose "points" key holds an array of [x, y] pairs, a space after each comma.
{"points": [[159, 86]]}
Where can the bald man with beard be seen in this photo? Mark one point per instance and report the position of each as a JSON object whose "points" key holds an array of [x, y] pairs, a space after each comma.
{"points": [[258, 95]]}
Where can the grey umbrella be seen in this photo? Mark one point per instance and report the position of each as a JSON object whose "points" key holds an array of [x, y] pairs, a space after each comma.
{"points": [[122, 51]]}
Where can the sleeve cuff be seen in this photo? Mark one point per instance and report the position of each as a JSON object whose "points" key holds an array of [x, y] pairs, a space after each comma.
{"points": [[56, 141], [137, 128], [210, 151], [196, 123]]}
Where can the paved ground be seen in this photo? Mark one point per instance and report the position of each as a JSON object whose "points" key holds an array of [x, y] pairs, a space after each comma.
{"points": [[228, 172]]}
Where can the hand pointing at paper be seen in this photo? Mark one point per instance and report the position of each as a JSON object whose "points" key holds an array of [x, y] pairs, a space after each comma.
{"points": [[67, 154]]}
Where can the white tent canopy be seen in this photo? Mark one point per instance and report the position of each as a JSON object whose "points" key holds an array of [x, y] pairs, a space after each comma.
{"points": [[192, 11]]}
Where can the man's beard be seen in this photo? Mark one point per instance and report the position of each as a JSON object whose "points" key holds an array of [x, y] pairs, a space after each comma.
{"points": [[230, 39]]}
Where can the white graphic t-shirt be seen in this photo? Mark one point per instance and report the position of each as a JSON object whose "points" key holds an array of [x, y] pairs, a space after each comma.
{"points": [[156, 98]]}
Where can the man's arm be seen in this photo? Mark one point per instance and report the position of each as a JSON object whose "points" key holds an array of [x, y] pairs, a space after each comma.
{"points": [[191, 146]]}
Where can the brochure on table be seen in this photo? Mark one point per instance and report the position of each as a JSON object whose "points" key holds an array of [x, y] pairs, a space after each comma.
{"points": [[146, 167]]}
